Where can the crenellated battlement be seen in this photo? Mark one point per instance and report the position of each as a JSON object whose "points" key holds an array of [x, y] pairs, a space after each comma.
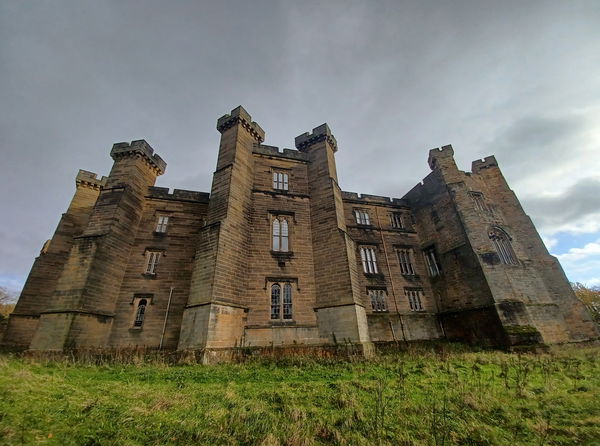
{"points": [[139, 148], [239, 114], [320, 133], [89, 179], [263, 149], [374, 199], [487, 162], [445, 152], [178, 194]]}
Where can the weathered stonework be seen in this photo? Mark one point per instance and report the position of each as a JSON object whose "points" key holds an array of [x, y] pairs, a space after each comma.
{"points": [[436, 264]]}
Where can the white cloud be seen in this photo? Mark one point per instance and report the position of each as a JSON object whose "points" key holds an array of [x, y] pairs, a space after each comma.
{"points": [[575, 254]]}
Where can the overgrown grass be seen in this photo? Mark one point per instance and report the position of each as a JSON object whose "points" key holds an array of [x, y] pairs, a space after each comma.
{"points": [[409, 398]]}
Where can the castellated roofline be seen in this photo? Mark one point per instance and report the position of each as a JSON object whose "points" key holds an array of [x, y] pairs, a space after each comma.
{"points": [[239, 114], [487, 162], [89, 179], [320, 133], [139, 148]]}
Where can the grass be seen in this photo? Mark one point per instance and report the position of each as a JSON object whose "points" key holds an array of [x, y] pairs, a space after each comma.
{"points": [[408, 398]]}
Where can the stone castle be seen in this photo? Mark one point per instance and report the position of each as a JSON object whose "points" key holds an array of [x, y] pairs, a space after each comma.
{"points": [[278, 255]]}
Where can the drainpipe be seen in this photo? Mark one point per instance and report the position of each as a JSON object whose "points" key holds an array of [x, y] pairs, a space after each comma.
{"points": [[162, 336]]}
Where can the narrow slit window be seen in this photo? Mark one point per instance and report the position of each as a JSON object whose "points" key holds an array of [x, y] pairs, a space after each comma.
{"points": [[275, 301], [140, 313]]}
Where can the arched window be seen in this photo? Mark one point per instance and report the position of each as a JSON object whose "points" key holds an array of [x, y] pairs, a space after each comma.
{"points": [[139, 314], [501, 242], [275, 301], [281, 308], [281, 234]]}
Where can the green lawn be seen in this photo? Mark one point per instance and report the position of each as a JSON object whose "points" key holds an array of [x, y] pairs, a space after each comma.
{"points": [[410, 398]]}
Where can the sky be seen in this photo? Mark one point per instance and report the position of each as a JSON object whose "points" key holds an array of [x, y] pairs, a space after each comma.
{"points": [[393, 79]]}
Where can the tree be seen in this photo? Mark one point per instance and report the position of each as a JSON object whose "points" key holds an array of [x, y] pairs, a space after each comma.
{"points": [[590, 296], [7, 302]]}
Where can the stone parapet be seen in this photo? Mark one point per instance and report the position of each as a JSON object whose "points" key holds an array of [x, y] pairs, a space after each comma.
{"points": [[375, 199], [487, 162], [139, 148], [177, 194], [321, 133], [89, 179], [262, 149]]}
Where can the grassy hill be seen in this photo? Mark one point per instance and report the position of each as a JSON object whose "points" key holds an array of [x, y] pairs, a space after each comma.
{"points": [[416, 397]]}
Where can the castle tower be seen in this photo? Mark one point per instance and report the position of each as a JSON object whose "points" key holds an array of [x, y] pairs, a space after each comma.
{"points": [[214, 316], [498, 284], [340, 311], [36, 296], [83, 303]]}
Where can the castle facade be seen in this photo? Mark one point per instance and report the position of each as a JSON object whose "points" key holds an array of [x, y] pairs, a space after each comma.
{"points": [[278, 255]]}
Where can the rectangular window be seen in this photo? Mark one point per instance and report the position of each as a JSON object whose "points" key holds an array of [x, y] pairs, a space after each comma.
{"points": [[161, 225], [433, 266], [152, 258], [378, 300], [369, 261], [362, 217], [414, 299], [396, 219], [280, 180], [405, 258]]}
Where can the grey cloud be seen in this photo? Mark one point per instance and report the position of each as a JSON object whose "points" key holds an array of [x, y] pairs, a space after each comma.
{"points": [[392, 78], [577, 203]]}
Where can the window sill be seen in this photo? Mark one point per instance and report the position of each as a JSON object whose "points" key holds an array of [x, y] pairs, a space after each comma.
{"points": [[283, 255], [282, 322], [374, 275], [149, 275], [160, 233], [134, 329]]}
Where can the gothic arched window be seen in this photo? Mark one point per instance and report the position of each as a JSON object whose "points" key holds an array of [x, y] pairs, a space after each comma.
{"points": [[281, 308], [281, 234], [501, 242], [139, 314]]}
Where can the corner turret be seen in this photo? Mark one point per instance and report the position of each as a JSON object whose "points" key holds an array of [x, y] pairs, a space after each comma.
{"points": [[439, 157], [321, 133], [239, 114]]}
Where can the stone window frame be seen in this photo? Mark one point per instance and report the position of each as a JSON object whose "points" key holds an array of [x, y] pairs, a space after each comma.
{"points": [[432, 261], [153, 257], [137, 319], [280, 179], [502, 243], [397, 220], [361, 216], [415, 298], [480, 203], [406, 260], [162, 223], [368, 258], [277, 235], [281, 300], [378, 299]]}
